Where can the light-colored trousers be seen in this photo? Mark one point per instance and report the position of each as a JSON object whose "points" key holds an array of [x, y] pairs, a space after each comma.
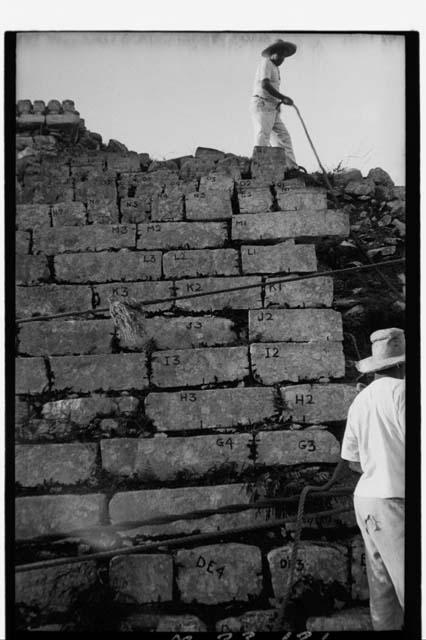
{"points": [[381, 521], [267, 122]]}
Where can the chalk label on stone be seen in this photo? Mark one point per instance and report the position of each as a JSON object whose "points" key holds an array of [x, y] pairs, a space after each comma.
{"points": [[272, 352], [209, 566], [120, 230], [225, 443], [285, 563], [264, 315], [153, 227], [187, 397], [309, 445], [120, 291], [174, 360], [300, 399]]}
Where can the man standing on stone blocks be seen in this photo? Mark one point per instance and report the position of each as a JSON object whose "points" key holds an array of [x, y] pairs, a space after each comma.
{"points": [[266, 101], [374, 445]]}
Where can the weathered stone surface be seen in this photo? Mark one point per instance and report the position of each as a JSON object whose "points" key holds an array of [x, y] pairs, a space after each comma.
{"points": [[62, 120], [142, 578], [31, 269], [49, 299], [23, 411], [278, 361], [57, 463], [40, 190], [219, 573], [186, 333], [306, 200], [276, 225], [325, 563], [187, 367], [184, 410], [69, 214], [255, 200], [54, 589], [242, 299], [103, 372], [63, 337], [208, 153], [317, 292], [353, 619], [359, 570], [317, 403], [131, 506], [96, 237], [249, 622], [22, 242], [123, 162], [203, 262], [379, 176], [46, 515], [82, 411], [295, 325], [180, 624], [364, 187], [106, 267], [30, 375], [286, 256], [139, 291], [208, 205], [182, 235], [166, 208], [135, 209], [167, 458], [100, 211], [38, 430], [341, 178], [100, 186], [216, 182], [252, 184]]}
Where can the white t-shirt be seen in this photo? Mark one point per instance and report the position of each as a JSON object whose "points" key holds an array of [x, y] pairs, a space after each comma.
{"points": [[375, 437], [266, 69]]}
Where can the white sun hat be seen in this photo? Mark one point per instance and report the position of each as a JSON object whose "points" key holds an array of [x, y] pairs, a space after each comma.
{"points": [[387, 348]]}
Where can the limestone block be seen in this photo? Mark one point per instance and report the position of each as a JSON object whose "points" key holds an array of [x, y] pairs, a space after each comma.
{"points": [[208, 205], [55, 589], [29, 121], [196, 168], [249, 622], [364, 187], [324, 563], [277, 225], [62, 121], [127, 162], [31, 269], [24, 106], [250, 298], [48, 515], [283, 257], [219, 573], [208, 153], [359, 570], [186, 333], [58, 463], [311, 199], [188, 367], [97, 188], [30, 375], [233, 166], [22, 242], [290, 183], [88, 158], [37, 430], [296, 447], [102, 211], [82, 411], [200, 262], [181, 235], [274, 362], [342, 177], [315, 292], [135, 210], [139, 291], [353, 619], [23, 411], [250, 184], [254, 200], [32, 216], [96, 237], [180, 624], [268, 154], [63, 337], [49, 299], [68, 214], [165, 207], [216, 182], [44, 191], [100, 372], [142, 578], [295, 325], [107, 267], [185, 410], [317, 403]]}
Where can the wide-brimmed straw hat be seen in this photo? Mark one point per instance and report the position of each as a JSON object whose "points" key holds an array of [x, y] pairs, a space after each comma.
{"points": [[387, 348], [280, 46]]}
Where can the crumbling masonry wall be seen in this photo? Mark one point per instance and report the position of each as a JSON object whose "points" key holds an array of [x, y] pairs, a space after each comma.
{"points": [[238, 395]]}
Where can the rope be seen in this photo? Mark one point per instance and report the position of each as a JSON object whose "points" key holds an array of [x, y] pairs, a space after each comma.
{"points": [[188, 296], [293, 559], [172, 542]]}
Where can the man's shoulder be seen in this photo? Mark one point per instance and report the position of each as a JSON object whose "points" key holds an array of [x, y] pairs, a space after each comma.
{"points": [[378, 389]]}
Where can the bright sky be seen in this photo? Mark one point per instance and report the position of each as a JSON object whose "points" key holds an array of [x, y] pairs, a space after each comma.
{"points": [[167, 93]]}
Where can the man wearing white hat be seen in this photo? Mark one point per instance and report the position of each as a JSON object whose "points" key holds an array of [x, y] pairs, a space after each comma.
{"points": [[266, 101], [374, 445]]}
